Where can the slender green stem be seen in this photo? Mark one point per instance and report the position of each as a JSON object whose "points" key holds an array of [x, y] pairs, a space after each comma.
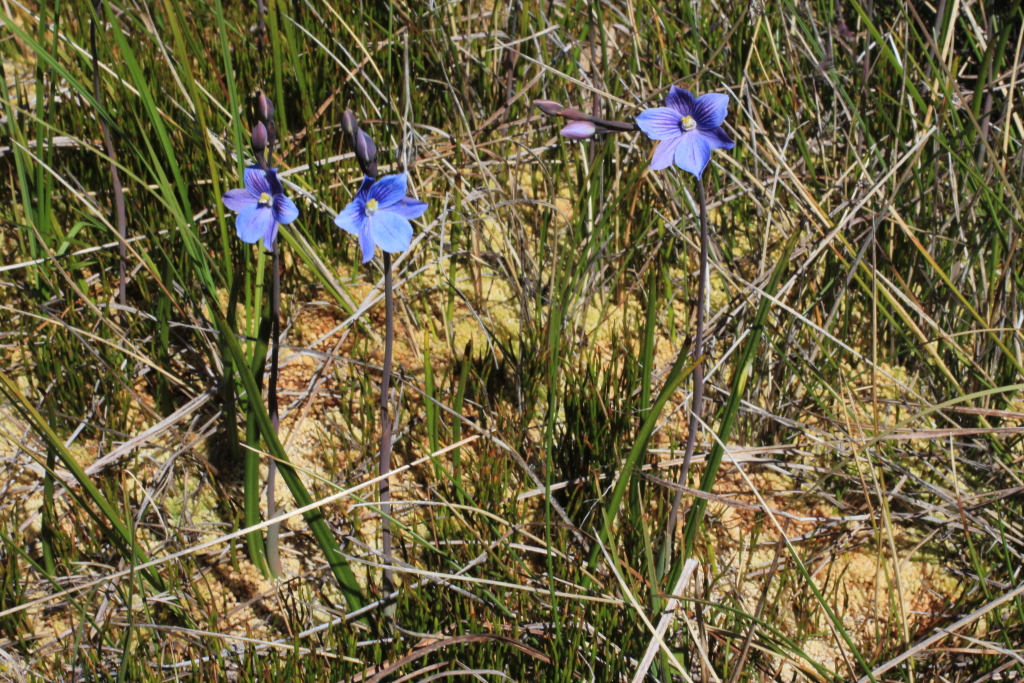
{"points": [[554, 339], [676, 375], [460, 398], [104, 514], [315, 518]]}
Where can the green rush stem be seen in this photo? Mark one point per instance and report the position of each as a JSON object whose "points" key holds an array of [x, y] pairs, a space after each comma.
{"points": [[698, 372], [273, 556], [385, 427], [554, 337], [314, 518], [108, 142], [260, 334]]}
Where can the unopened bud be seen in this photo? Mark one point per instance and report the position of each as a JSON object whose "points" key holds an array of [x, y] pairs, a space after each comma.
{"points": [[366, 153], [349, 124], [264, 108], [579, 130], [549, 107], [259, 137]]}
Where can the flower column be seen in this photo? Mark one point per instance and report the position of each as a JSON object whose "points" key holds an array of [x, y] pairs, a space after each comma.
{"points": [[379, 216], [261, 207], [689, 128]]}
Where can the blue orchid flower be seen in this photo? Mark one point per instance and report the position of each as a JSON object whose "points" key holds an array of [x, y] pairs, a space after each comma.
{"points": [[261, 207], [379, 215], [688, 127]]}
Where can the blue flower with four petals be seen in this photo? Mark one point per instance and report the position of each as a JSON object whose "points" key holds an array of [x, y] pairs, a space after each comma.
{"points": [[688, 127], [379, 215], [261, 207]]}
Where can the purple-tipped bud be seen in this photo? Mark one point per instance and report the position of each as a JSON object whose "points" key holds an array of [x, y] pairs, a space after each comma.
{"points": [[366, 153], [579, 130], [259, 137], [264, 108], [349, 124], [549, 107]]}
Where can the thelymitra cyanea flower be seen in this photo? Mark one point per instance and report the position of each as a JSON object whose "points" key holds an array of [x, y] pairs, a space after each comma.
{"points": [[261, 204], [688, 128], [379, 215]]}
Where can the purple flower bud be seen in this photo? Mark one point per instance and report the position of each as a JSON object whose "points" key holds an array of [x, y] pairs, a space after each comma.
{"points": [[349, 124], [259, 137], [579, 130], [264, 108], [549, 107], [366, 153]]}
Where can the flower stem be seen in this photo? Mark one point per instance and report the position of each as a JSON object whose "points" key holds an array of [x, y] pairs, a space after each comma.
{"points": [[273, 556], [385, 427], [698, 372]]}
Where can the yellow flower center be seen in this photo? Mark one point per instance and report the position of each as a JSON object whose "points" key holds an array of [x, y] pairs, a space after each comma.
{"points": [[687, 123], [265, 199], [371, 207]]}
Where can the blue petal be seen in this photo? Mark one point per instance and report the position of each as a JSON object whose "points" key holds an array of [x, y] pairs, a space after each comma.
{"points": [[665, 153], [352, 217], [680, 100], [273, 182], [256, 181], [366, 244], [389, 190], [717, 138], [239, 200], [409, 208], [710, 109], [269, 237], [285, 210], [254, 223], [693, 153], [390, 231], [660, 123], [364, 188]]}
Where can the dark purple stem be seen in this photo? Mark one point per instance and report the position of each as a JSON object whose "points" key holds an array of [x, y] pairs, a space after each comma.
{"points": [[261, 8], [273, 556], [385, 426], [572, 114], [698, 372]]}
